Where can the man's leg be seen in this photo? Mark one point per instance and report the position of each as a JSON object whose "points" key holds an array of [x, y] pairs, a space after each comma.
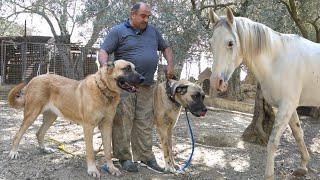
{"points": [[142, 130], [121, 132]]}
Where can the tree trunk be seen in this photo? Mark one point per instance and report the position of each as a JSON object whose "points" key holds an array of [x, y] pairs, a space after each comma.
{"points": [[234, 91], [63, 46], [250, 78], [315, 112], [64, 53], [259, 130]]}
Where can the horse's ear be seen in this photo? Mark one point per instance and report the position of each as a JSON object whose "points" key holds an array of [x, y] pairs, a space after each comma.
{"points": [[214, 18], [230, 16]]}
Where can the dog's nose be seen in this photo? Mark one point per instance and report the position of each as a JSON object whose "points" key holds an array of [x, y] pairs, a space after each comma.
{"points": [[203, 112], [142, 79]]}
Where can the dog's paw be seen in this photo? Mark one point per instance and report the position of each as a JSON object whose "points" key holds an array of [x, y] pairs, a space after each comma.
{"points": [[170, 169], [93, 171], [13, 155], [114, 171]]}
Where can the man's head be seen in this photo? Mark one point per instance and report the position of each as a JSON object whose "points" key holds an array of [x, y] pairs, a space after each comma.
{"points": [[140, 13]]}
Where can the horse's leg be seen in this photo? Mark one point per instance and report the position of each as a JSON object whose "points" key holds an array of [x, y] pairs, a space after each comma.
{"points": [[281, 121], [298, 135]]}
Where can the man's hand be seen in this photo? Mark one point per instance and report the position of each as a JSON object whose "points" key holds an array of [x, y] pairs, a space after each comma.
{"points": [[170, 72]]}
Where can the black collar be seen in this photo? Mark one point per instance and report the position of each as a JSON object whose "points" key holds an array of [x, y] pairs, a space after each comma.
{"points": [[170, 93]]}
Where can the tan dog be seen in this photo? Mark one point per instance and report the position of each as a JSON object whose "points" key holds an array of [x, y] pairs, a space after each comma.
{"points": [[169, 98], [91, 102]]}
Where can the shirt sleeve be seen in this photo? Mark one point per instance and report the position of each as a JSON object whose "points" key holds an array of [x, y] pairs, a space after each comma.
{"points": [[111, 41], [162, 45]]}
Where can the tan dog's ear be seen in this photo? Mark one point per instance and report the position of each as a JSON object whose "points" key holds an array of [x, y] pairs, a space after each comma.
{"points": [[110, 66]]}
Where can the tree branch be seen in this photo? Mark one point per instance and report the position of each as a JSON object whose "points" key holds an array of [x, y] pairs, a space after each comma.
{"points": [[292, 9], [217, 6]]}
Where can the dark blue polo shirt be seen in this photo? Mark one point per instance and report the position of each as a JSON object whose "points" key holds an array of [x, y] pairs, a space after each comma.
{"points": [[135, 46]]}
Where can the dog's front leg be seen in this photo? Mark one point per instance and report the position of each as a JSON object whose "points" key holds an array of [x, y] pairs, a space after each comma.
{"points": [[170, 146], [106, 131], [91, 164], [162, 130]]}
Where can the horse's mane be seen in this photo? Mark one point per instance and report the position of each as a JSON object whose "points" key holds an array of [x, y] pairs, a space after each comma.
{"points": [[255, 38]]}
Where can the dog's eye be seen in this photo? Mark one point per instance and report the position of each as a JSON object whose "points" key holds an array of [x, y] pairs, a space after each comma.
{"points": [[195, 96], [127, 69], [198, 96]]}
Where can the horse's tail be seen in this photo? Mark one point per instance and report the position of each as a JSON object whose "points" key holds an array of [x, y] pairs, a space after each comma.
{"points": [[16, 99]]}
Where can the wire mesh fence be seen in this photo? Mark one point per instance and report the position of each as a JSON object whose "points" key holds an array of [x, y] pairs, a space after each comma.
{"points": [[21, 61]]}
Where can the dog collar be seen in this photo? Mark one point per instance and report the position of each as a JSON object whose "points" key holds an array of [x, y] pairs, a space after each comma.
{"points": [[170, 94], [109, 98]]}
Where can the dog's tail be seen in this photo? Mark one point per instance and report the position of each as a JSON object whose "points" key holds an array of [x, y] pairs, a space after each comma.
{"points": [[16, 99]]}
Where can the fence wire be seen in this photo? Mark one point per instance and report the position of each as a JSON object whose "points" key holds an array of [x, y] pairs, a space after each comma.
{"points": [[23, 61]]}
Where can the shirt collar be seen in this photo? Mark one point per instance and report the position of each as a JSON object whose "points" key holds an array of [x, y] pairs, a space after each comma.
{"points": [[136, 31]]}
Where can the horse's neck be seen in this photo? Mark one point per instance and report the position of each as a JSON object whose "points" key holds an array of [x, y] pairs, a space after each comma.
{"points": [[262, 65], [262, 68]]}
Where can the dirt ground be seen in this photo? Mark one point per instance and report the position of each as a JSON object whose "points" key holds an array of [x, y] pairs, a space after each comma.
{"points": [[219, 154]]}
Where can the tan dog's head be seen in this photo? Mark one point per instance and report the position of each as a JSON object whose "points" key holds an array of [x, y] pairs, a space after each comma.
{"points": [[123, 75], [188, 95]]}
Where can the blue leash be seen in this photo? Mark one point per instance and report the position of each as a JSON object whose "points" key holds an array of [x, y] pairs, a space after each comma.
{"points": [[188, 162]]}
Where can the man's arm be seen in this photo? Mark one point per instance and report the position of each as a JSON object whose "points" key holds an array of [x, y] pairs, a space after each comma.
{"points": [[167, 53], [103, 57]]}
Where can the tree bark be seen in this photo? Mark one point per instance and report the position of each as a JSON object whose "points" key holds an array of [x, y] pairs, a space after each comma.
{"points": [[63, 46], [259, 130], [234, 91], [250, 78]]}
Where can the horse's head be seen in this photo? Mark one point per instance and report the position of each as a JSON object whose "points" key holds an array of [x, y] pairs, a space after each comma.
{"points": [[225, 47]]}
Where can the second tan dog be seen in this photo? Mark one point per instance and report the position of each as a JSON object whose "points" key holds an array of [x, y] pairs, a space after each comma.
{"points": [[169, 98], [91, 102]]}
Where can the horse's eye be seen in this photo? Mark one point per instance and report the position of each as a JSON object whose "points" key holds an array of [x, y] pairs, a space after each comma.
{"points": [[230, 44]]}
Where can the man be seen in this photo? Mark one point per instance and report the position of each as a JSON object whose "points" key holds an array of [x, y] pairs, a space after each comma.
{"points": [[138, 42]]}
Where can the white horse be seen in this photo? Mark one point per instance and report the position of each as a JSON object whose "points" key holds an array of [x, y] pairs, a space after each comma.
{"points": [[287, 67]]}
